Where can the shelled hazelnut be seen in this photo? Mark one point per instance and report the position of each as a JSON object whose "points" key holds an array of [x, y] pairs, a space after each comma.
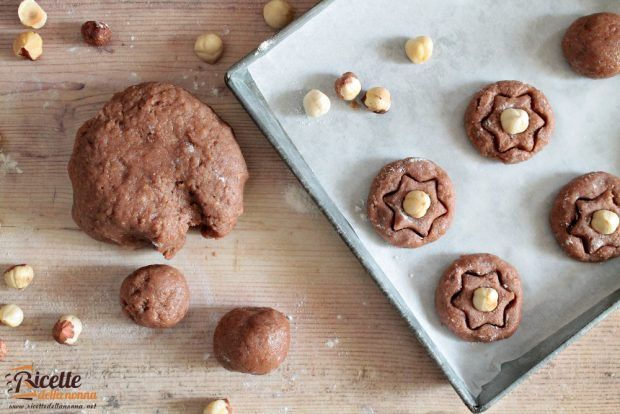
{"points": [[96, 33], [67, 330], [31, 14], [11, 315], [19, 276], [209, 47], [316, 103], [28, 45], [218, 407], [419, 49], [278, 14], [348, 86], [378, 100]]}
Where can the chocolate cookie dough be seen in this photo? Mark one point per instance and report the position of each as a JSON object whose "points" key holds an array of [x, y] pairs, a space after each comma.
{"points": [[411, 202], [510, 121], [154, 162], [479, 298], [585, 216], [591, 45], [155, 296], [252, 340]]}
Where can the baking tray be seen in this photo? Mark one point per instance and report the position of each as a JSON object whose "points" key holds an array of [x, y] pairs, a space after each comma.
{"points": [[510, 372]]}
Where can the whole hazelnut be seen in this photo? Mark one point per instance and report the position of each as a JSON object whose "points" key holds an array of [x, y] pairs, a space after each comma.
{"points": [[19, 277], [419, 49], [31, 14], [378, 100], [3, 350], [67, 330], [514, 121], [316, 103], [605, 222], [96, 33], [11, 315], [28, 45], [416, 203], [348, 86], [278, 14], [218, 407], [209, 47], [485, 299]]}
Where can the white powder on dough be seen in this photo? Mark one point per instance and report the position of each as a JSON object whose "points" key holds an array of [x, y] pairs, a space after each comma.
{"points": [[299, 200]]}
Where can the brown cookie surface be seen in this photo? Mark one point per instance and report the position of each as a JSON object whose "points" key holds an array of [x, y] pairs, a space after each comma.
{"points": [[459, 310], [154, 162], [386, 209], [572, 217], [484, 127], [252, 340], [591, 45], [155, 296]]}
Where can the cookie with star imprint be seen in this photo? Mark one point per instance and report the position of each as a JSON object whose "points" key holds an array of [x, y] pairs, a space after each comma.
{"points": [[411, 202], [510, 121], [479, 298], [585, 217]]}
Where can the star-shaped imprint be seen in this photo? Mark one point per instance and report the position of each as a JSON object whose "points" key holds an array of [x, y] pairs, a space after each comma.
{"points": [[504, 141], [464, 300], [592, 240], [402, 220]]}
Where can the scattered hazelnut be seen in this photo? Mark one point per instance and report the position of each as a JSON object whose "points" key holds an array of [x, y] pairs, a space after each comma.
{"points": [[19, 277], [485, 299], [209, 47], [218, 407], [3, 350], [514, 121], [67, 330], [348, 86], [96, 33], [316, 103], [378, 100], [11, 315], [31, 14], [416, 203], [605, 222], [28, 45], [278, 14], [419, 49]]}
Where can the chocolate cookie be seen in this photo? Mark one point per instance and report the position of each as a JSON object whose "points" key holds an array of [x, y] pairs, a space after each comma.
{"points": [[252, 340], [155, 296], [152, 163], [591, 45], [479, 298], [411, 202], [585, 216], [510, 121]]}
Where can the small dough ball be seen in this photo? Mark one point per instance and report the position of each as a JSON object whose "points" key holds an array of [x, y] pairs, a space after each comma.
{"points": [[252, 340], [278, 14], [514, 121], [209, 47], [155, 296], [316, 103], [591, 45], [419, 49]]}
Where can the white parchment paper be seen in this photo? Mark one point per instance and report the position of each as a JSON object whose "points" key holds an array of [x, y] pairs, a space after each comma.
{"points": [[501, 209]]}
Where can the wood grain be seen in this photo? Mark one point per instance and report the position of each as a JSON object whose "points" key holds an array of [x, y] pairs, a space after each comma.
{"points": [[351, 353]]}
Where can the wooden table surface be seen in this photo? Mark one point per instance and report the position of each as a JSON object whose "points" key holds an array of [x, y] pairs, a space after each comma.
{"points": [[351, 351]]}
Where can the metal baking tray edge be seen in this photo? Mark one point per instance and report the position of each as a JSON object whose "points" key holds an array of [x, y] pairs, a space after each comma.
{"points": [[512, 373]]}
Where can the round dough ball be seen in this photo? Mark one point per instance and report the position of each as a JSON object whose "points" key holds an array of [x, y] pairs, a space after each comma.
{"points": [[154, 162], [252, 340], [155, 296], [592, 45]]}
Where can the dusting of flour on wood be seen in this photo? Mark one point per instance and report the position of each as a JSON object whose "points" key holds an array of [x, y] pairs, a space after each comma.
{"points": [[299, 200]]}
